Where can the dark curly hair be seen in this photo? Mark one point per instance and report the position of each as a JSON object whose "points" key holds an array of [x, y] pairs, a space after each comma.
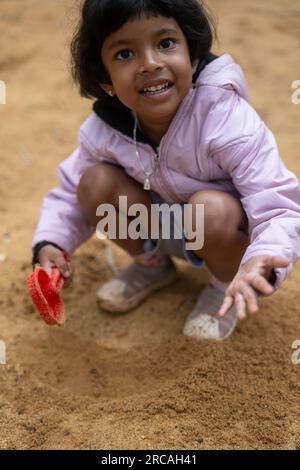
{"points": [[100, 18]]}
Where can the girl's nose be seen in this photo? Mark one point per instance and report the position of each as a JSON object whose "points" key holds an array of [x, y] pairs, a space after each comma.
{"points": [[150, 62]]}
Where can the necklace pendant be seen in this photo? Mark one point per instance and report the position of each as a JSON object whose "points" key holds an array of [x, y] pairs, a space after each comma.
{"points": [[147, 184]]}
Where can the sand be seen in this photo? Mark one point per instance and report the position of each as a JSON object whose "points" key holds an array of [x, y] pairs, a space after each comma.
{"points": [[133, 381]]}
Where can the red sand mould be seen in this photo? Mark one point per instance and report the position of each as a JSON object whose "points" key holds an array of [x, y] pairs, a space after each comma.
{"points": [[44, 291]]}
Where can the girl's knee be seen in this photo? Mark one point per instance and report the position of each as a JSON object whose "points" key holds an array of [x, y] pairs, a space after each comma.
{"points": [[95, 186], [223, 213], [104, 183], [97, 183]]}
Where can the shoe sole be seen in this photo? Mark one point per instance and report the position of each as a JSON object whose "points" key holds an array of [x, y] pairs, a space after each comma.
{"points": [[128, 305]]}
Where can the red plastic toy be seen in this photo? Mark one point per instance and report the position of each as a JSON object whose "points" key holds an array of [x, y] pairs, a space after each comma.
{"points": [[45, 293]]}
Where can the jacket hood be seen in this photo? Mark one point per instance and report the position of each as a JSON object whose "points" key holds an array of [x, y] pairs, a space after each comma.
{"points": [[225, 73]]}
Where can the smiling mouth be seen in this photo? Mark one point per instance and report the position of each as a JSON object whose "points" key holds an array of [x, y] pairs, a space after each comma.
{"points": [[156, 90]]}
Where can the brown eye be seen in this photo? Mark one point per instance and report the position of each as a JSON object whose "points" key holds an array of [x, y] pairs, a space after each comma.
{"points": [[124, 54], [167, 43]]}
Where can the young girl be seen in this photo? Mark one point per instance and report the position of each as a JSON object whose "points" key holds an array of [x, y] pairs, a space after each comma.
{"points": [[171, 124]]}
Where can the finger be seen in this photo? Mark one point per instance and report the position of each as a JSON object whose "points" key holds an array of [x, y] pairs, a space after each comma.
{"points": [[250, 297], [68, 281], [63, 265], [226, 306], [48, 269], [262, 285], [47, 265], [240, 304], [277, 262]]}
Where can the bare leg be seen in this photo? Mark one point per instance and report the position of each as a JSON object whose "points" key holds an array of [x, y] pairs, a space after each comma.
{"points": [[225, 241], [104, 183], [225, 233]]}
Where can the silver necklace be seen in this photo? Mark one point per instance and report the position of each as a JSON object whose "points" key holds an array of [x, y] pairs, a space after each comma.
{"points": [[148, 173]]}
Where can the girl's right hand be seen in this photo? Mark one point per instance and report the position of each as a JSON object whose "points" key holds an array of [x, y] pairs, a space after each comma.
{"points": [[51, 257]]}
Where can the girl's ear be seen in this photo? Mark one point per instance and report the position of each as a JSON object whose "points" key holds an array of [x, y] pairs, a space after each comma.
{"points": [[108, 89]]}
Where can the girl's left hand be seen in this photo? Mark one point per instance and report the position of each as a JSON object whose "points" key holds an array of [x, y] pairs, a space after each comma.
{"points": [[250, 279]]}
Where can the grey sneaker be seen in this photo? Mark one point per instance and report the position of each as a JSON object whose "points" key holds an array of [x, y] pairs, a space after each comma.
{"points": [[204, 323], [129, 288]]}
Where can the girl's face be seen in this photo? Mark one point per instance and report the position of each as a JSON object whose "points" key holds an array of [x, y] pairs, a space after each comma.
{"points": [[149, 66]]}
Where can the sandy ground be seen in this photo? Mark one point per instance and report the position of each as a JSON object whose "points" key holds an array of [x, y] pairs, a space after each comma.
{"points": [[133, 381]]}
